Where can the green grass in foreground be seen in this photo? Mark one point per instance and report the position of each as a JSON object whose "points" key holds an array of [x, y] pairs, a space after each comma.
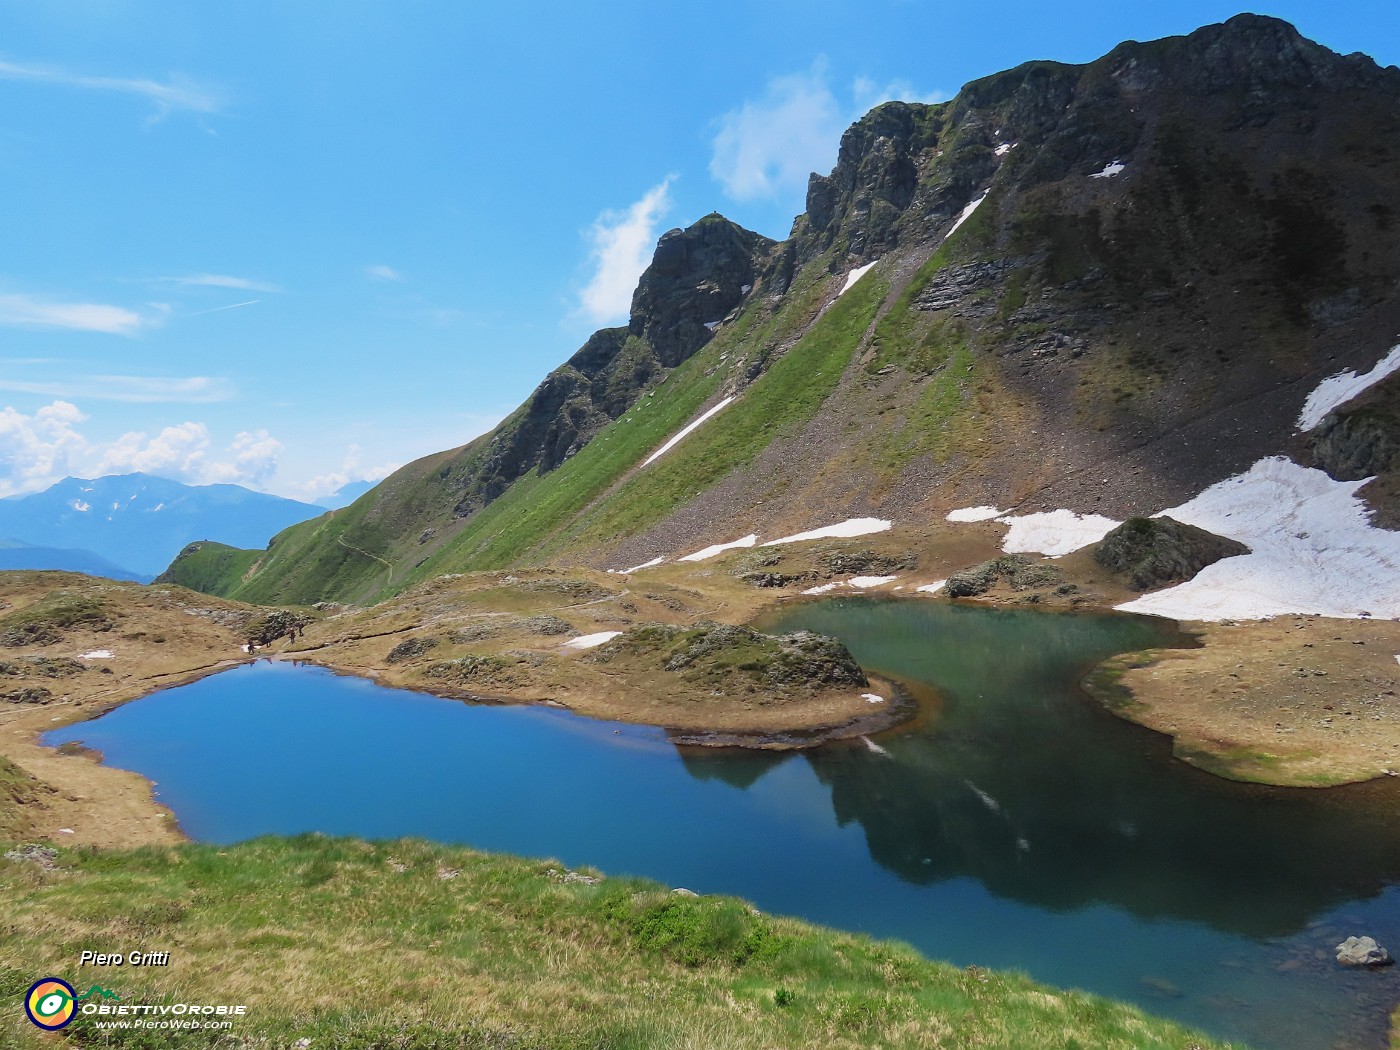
{"points": [[411, 945]]}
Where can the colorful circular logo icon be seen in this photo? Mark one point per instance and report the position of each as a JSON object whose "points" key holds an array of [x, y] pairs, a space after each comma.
{"points": [[50, 1003]]}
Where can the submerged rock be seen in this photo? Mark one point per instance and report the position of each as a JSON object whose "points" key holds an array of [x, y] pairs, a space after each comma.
{"points": [[1362, 951]]}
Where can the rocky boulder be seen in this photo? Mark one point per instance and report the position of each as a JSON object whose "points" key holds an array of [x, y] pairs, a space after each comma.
{"points": [[1362, 951], [1157, 552]]}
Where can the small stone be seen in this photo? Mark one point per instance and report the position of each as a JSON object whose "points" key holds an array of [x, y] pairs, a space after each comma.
{"points": [[1362, 951], [681, 891]]}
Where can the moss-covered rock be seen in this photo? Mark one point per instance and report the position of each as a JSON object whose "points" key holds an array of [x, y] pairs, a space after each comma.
{"points": [[731, 658], [44, 622], [1157, 552], [1019, 572], [410, 648]]}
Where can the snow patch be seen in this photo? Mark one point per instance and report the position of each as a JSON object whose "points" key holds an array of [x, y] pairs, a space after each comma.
{"points": [[870, 581], [79, 505], [966, 214], [1339, 389], [872, 698], [644, 565], [824, 588], [1109, 170], [97, 654], [158, 506], [1004, 148], [843, 530], [744, 289], [711, 325], [931, 588], [675, 438], [1314, 550], [590, 641], [720, 548], [976, 514], [1054, 533], [854, 276]]}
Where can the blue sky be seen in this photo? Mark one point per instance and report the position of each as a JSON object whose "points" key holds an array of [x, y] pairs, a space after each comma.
{"points": [[291, 245]]}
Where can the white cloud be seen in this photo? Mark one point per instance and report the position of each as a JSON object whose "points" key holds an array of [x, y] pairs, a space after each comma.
{"points": [[182, 452], [37, 450], [28, 311], [175, 451], [383, 273], [621, 247], [177, 93], [350, 470], [220, 280], [129, 389], [767, 148]]}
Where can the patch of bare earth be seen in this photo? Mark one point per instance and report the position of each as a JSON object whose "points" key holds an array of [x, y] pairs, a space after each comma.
{"points": [[157, 637], [1297, 700]]}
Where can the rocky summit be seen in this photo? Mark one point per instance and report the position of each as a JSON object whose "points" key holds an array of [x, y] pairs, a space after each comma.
{"points": [[1099, 288]]}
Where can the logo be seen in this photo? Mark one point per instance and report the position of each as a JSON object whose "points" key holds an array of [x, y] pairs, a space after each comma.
{"points": [[50, 1003]]}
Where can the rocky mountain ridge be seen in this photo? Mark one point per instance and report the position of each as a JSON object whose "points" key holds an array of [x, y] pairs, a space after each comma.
{"points": [[1099, 287]]}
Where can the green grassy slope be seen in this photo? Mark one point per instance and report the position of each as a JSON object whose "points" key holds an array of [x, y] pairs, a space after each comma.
{"points": [[350, 944]]}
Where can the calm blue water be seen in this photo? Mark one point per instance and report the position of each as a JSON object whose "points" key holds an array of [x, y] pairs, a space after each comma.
{"points": [[1014, 825]]}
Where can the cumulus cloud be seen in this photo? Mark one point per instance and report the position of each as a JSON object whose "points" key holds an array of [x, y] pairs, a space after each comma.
{"points": [[621, 244], [767, 147], [28, 311], [383, 273], [178, 93], [350, 470], [37, 450]]}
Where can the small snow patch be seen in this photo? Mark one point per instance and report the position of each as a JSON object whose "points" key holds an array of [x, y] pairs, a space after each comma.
{"points": [[1054, 533], [854, 276], [97, 654], [590, 641], [675, 439], [871, 581], [1339, 389], [644, 565], [872, 698], [80, 505], [966, 214], [720, 548], [824, 588], [976, 514], [1004, 148], [931, 588], [1109, 170], [711, 325], [842, 530]]}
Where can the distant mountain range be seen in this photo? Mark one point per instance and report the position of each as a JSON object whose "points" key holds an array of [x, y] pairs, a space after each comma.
{"points": [[17, 555], [130, 526]]}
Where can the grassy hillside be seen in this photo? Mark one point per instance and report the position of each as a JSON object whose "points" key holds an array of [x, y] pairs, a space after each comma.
{"points": [[337, 944]]}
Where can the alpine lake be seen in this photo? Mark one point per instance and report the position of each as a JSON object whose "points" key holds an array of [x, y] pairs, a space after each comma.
{"points": [[1013, 823]]}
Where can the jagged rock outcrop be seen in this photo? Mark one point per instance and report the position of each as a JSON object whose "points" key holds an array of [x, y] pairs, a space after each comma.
{"points": [[697, 277]]}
